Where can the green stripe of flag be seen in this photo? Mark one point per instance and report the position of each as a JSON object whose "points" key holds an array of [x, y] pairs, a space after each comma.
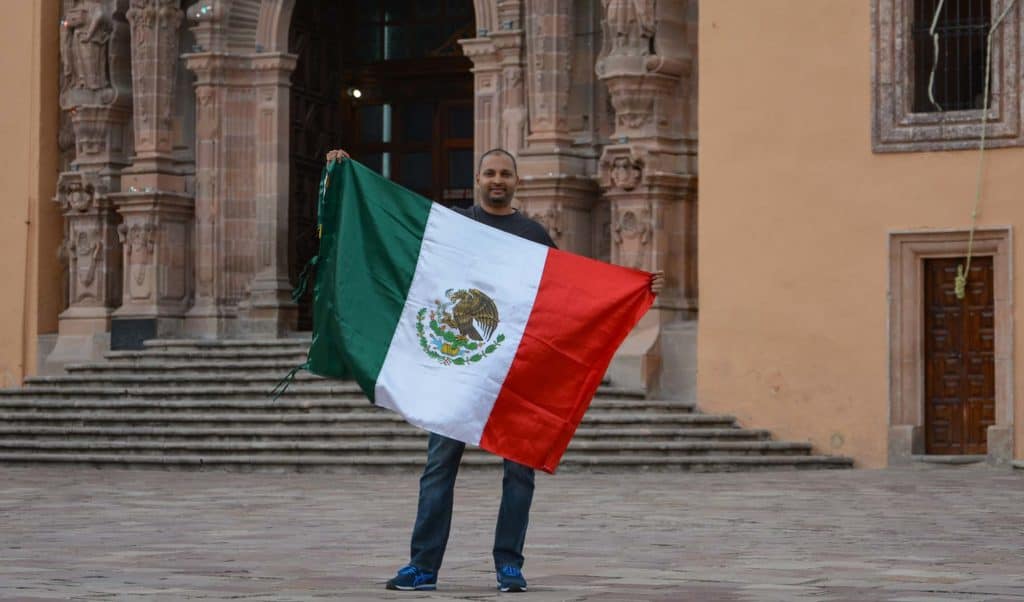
{"points": [[372, 233]]}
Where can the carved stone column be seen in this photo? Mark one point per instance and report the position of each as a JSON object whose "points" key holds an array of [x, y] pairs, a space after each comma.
{"points": [[96, 95], [270, 309], [153, 203], [487, 110], [646, 174], [215, 73], [556, 188]]}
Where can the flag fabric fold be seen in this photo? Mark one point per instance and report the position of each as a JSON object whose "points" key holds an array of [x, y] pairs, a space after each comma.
{"points": [[464, 330]]}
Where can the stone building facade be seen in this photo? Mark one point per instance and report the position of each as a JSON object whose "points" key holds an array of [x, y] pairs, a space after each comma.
{"points": [[183, 124]]}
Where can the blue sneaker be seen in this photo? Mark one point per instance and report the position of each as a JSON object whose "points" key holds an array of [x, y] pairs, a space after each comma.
{"points": [[510, 579], [411, 578]]}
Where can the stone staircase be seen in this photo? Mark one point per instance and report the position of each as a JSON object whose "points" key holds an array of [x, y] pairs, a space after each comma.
{"points": [[193, 403]]}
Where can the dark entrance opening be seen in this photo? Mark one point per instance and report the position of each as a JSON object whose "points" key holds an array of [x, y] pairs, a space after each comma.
{"points": [[388, 82], [959, 357]]}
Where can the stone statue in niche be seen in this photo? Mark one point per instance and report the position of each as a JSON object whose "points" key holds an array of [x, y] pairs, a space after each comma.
{"points": [[629, 26], [626, 173], [513, 116], [632, 236], [85, 45]]}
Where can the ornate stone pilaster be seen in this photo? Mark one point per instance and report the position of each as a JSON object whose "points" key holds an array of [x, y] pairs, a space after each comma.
{"points": [[156, 237], [156, 210], [549, 39], [91, 249], [556, 187], [271, 311], [215, 74], [155, 25], [95, 95], [486, 92], [645, 176]]}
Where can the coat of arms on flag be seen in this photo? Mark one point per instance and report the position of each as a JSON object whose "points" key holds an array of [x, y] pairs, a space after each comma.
{"points": [[459, 331]]}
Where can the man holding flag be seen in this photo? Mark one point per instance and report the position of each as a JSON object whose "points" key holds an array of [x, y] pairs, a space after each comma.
{"points": [[467, 326]]}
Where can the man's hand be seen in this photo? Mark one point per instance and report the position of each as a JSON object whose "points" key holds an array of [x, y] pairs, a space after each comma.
{"points": [[336, 155], [657, 281]]}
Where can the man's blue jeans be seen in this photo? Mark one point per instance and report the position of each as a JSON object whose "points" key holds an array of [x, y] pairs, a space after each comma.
{"points": [[434, 515]]}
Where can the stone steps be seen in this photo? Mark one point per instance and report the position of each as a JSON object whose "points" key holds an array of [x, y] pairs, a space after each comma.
{"points": [[728, 463], [369, 416], [372, 446], [189, 404], [315, 432], [284, 405]]}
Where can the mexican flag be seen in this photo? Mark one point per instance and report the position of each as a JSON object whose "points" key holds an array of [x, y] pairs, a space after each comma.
{"points": [[464, 330]]}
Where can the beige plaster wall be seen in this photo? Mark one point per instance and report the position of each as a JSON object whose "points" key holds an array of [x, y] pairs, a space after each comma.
{"points": [[795, 212], [31, 229]]}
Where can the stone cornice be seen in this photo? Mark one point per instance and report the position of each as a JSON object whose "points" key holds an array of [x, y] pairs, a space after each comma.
{"points": [[213, 68], [477, 47]]}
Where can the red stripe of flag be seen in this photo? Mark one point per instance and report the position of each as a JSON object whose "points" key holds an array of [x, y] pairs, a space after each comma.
{"points": [[583, 311]]}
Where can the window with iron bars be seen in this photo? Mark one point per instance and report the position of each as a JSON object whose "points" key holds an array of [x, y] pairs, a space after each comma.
{"points": [[959, 65], [903, 117]]}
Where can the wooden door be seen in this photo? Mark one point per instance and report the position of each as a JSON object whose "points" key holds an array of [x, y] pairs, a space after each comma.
{"points": [[959, 357]]}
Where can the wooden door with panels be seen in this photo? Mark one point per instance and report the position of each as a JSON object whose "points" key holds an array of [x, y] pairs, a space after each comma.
{"points": [[959, 350]]}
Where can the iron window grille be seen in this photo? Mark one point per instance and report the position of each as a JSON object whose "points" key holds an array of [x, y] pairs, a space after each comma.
{"points": [[962, 28]]}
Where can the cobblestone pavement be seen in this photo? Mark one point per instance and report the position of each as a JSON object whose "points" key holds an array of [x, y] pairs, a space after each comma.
{"points": [[897, 535]]}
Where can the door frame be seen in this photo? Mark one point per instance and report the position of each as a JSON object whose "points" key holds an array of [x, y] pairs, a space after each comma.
{"points": [[907, 252]]}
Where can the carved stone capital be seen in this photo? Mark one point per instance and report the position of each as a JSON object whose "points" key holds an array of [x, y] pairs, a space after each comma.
{"points": [[208, 25], [634, 96], [479, 50], [101, 135]]}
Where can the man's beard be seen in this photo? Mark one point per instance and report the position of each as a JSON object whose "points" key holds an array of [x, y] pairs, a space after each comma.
{"points": [[502, 200]]}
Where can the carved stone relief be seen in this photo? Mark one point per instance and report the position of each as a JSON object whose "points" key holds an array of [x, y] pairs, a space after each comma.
{"points": [[551, 217], [631, 236], [89, 249], [626, 172], [139, 242], [513, 116]]}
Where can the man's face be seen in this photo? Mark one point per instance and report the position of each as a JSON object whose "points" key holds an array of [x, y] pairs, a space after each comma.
{"points": [[497, 180]]}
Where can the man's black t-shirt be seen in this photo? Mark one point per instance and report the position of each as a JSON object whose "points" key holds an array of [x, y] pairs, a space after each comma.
{"points": [[513, 223]]}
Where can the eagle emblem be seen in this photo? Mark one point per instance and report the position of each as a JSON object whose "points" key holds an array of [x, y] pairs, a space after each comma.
{"points": [[459, 329]]}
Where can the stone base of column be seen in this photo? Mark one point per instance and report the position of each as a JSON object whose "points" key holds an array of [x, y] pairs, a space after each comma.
{"points": [[999, 439], [678, 376], [130, 332], [269, 311], [905, 442], [207, 321], [83, 336], [638, 360]]}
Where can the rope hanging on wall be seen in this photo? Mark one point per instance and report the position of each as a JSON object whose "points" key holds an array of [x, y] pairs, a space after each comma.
{"points": [[962, 270]]}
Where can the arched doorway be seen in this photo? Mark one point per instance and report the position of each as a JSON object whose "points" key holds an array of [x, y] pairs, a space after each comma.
{"points": [[388, 82]]}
